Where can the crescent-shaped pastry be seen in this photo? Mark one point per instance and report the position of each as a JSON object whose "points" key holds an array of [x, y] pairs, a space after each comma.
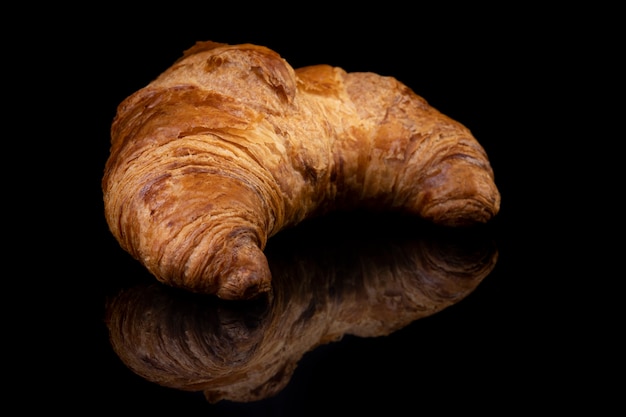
{"points": [[230, 145]]}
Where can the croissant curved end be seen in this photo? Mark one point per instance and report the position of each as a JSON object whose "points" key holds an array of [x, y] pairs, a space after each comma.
{"points": [[461, 195], [249, 278]]}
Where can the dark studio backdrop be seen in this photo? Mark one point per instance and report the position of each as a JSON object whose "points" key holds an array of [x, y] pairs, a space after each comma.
{"points": [[512, 343]]}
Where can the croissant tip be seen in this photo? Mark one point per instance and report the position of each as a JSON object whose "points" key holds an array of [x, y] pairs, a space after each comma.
{"points": [[461, 212], [244, 284]]}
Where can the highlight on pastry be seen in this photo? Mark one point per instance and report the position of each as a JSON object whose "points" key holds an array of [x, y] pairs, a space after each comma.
{"points": [[231, 145], [368, 285]]}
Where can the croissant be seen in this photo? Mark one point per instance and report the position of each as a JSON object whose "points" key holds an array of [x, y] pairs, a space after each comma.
{"points": [[230, 145]]}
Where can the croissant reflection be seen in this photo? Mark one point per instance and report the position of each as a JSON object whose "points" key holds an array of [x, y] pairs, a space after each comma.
{"points": [[366, 284]]}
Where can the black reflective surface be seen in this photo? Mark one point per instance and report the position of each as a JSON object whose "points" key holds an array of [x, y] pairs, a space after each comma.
{"points": [[371, 313], [330, 279]]}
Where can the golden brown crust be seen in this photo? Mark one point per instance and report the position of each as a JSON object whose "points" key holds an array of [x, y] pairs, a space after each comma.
{"points": [[230, 145]]}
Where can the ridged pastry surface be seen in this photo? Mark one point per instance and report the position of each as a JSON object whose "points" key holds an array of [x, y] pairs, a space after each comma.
{"points": [[230, 145]]}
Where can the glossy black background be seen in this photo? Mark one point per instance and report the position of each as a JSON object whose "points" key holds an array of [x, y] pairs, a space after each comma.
{"points": [[533, 336]]}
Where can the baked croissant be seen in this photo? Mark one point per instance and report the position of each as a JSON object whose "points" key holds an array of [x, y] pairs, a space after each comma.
{"points": [[230, 145]]}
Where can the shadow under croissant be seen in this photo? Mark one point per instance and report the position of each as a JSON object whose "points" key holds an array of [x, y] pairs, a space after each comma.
{"points": [[329, 279]]}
